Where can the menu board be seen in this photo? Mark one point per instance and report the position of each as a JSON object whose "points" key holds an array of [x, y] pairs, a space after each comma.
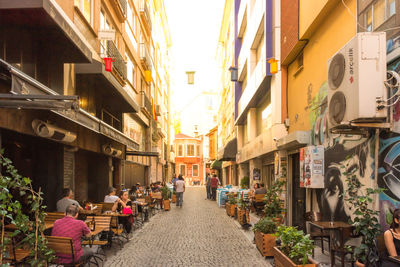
{"points": [[312, 167]]}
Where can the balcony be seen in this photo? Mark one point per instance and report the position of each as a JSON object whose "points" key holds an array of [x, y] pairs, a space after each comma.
{"points": [[121, 6], [145, 57], [119, 65], [145, 15], [146, 103]]}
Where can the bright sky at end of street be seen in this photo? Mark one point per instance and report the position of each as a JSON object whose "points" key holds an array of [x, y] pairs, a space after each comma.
{"points": [[194, 27]]}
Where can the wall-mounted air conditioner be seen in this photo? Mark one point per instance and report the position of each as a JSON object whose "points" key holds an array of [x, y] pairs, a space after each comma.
{"points": [[356, 75], [49, 131]]}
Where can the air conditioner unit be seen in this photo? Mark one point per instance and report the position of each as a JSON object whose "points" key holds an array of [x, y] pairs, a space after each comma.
{"points": [[49, 131], [356, 75], [109, 150]]}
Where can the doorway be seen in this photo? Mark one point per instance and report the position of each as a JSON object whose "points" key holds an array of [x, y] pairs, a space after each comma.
{"points": [[268, 175], [298, 194]]}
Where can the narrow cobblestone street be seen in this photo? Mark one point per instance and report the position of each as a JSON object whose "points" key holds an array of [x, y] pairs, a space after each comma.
{"points": [[198, 234]]}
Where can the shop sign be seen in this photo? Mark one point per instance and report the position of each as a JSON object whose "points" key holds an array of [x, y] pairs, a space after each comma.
{"points": [[134, 130], [312, 167]]}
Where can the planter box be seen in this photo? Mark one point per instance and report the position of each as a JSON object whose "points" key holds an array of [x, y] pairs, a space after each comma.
{"points": [[173, 198], [240, 214], [167, 205], [281, 260], [265, 243], [230, 209]]}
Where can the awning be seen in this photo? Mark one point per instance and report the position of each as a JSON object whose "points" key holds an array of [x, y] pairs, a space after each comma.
{"points": [[48, 17], [95, 74], [216, 164], [229, 151]]}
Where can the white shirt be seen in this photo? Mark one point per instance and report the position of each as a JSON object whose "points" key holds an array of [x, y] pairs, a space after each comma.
{"points": [[110, 199], [180, 184]]}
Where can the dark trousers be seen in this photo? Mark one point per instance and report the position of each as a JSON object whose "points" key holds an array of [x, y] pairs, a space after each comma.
{"points": [[208, 191], [214, 193]]}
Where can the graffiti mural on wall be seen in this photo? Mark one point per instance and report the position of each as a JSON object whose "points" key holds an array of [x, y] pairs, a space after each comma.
{"points": [[354, 151]]}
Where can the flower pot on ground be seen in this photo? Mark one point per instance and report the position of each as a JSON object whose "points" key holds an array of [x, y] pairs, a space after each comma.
{"points": [[230, 205], [295, 249], [264, 232], [359, 264], [240, 214], [167, 205]]}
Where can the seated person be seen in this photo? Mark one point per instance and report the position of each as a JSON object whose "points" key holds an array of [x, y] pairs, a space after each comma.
{"points": [[69, 226], [119, 205], [111, 197], [392, 240], [67, 200], [261, 190]]}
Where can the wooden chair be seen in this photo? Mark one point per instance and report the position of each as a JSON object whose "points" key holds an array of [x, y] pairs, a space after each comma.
{"points": [[259, 203], [51, 217], [117, 231], [107, 206], [104, 222], [343, 249], [16, 256], [315, 234], [99, 208], [63, 245]]}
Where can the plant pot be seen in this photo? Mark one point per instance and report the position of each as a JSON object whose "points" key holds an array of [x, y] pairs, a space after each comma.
{"points": [[265, 243], [359, 264], [167, 205], [230, 209], [173, 198], [240, 213], [227, 208], [281, 260]]}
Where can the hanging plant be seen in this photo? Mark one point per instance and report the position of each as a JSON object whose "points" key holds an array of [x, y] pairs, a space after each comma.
{"points": [[22, 207]]}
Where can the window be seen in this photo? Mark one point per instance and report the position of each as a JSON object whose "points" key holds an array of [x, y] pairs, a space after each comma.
{"points": [[190, 150], [198, 151], [182, 169], [131, 68], [180, 150], [86, 7], [381, 10], [195, 170], [391, 5], [368, 20]]}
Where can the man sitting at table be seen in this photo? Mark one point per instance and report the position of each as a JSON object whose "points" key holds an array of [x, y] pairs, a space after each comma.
{"points": [[260, 190], [69, 226], [111, 197], [67, 200]]}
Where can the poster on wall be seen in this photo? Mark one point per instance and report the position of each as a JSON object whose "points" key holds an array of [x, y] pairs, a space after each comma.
{"points": [[256, 174], [312, 167]]}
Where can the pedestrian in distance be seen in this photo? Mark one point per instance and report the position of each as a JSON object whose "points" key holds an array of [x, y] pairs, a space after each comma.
{"points": [[180, 188], [208, 186], [214, 185]]}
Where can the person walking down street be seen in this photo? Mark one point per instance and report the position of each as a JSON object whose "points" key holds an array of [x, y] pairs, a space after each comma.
{"points": [[180, 188], [208, 186], [173, 181], [214, 185]]}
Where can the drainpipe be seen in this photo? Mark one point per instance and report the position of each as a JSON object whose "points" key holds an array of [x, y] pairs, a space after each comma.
{"points": [[376, 202]]}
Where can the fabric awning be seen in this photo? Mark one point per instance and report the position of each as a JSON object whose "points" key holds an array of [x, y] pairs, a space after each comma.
{"points": [[230, 151], [216, 164]]}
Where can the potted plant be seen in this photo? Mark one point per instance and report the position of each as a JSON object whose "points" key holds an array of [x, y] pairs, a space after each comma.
{"points": [[264, 232], [245, 182], [365, 218], [230, 205], [243, 212], [165, 196], [295, 248], [173, 196], [273, 203]]}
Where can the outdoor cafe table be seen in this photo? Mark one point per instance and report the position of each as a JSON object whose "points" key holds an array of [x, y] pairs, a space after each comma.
{"points": [[331, 227]]}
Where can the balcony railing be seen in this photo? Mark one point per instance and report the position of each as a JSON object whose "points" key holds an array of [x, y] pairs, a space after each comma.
{"points": [[123, 4], [119, 63], [146, 103], [145, 14], [145, 57]]}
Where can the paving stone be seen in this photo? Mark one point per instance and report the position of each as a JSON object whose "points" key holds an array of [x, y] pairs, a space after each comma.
{"points": [[197, 234]]}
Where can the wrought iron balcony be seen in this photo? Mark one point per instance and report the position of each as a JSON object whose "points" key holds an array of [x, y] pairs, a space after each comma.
{"points": [[123, 4], [145, 15], [119, 63], [145, 57], [146, 103]]}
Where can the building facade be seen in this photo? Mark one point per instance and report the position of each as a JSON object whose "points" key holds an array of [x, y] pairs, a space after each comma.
{"points": [[104, 139], [258, 92], [189, 158]]}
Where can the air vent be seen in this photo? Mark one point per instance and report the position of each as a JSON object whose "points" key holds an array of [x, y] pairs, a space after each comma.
{"points": [[336, 71]]}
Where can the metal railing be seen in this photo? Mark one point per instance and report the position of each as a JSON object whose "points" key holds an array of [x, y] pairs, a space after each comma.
{"points": [[119, 63], [145, 56], [144, 11], [123, 4], [146, 103]]}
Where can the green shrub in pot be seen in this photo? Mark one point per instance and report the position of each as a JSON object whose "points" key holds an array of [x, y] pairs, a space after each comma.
{"points": [[266, 226]]}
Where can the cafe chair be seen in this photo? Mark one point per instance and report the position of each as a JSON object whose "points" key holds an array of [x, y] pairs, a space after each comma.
{"points": [[107, 206], [137, 220], [259, 203], [118, 231], [51, 217], [103, 222], [347, 242], [65, 245], [316, 234], [15, 255]]}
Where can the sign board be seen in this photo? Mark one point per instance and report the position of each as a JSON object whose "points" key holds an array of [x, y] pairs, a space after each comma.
{"points": [[312, 167], [256, 174], [107, 35]]}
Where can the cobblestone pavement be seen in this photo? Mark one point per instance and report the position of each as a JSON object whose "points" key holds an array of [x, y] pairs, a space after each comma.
{"points": [[198, 234]]}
